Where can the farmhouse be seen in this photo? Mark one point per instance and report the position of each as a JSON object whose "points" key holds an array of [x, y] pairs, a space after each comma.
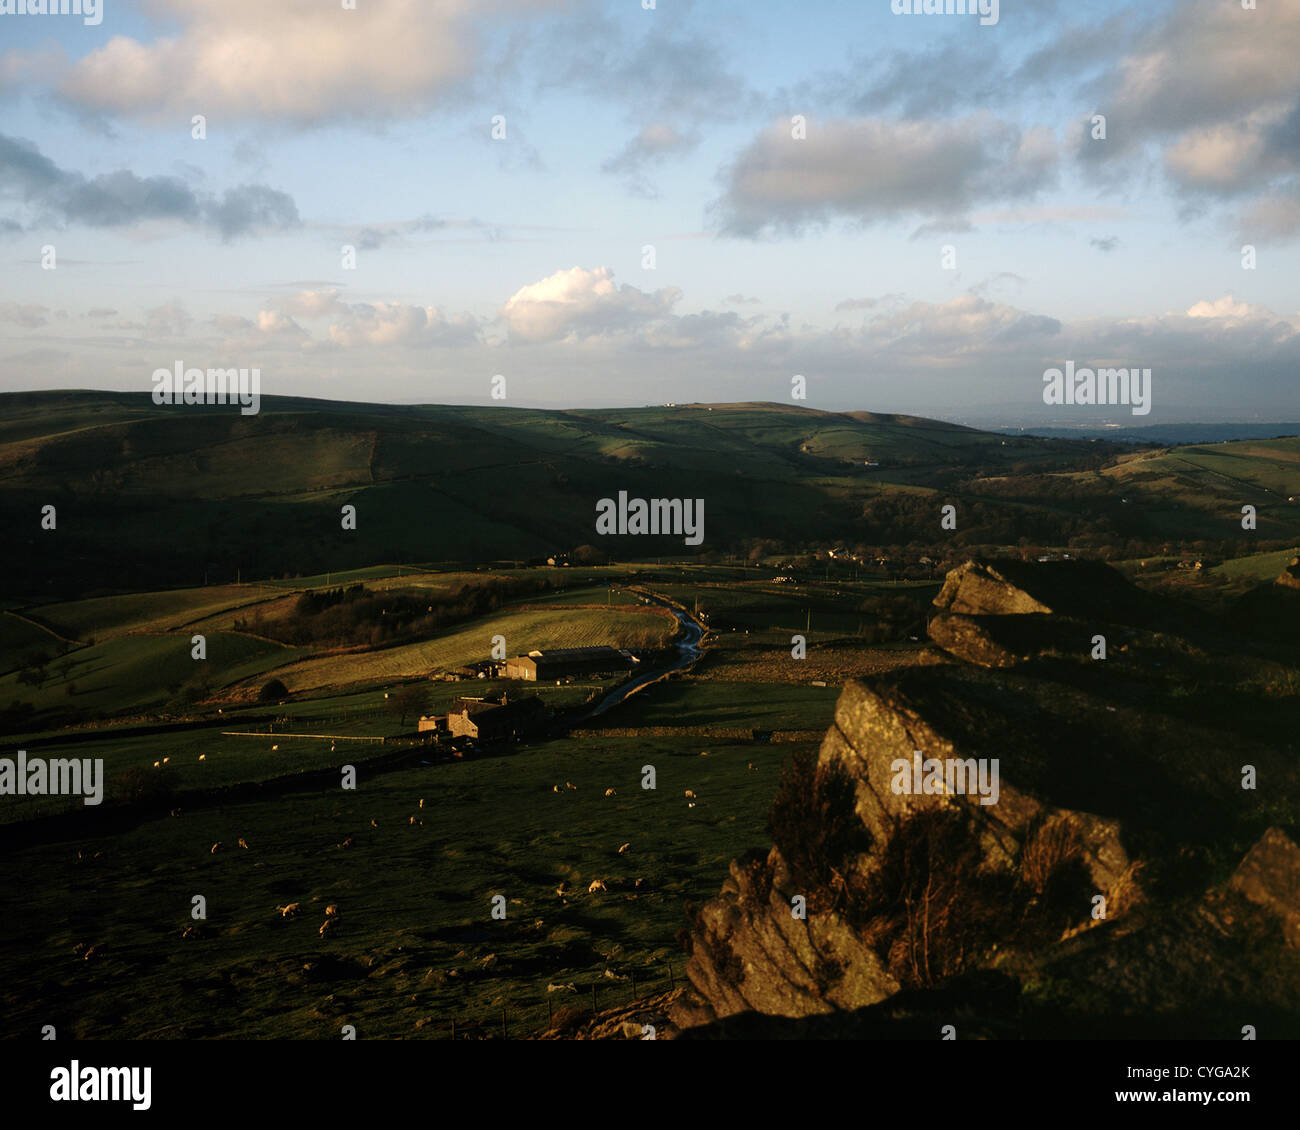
{"points": [[557, 663], [487, 720]]}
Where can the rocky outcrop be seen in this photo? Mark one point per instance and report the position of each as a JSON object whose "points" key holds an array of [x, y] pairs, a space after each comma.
{"points": [[1290, 575], [1269, 876], [1051, 827]]}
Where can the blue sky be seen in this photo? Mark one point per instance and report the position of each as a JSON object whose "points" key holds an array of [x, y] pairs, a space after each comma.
{"points": [[775, 255]]}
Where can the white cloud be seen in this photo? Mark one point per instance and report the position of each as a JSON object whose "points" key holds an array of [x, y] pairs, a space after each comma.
{"points": [[301, 61], [581, 303]]}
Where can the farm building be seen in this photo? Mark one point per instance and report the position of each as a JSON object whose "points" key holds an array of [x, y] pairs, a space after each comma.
{"points": [[557, 663], [487, 720]]}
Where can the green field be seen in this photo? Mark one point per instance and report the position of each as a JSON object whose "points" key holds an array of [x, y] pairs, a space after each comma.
{"points": [[414, 899]]}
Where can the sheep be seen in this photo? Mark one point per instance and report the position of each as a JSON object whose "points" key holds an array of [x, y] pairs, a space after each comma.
{"points": [[156, 764], [597, 885], [243, 843], [562, 889], [275, 747], [623, 848], [555, 788], [203, 757], [690, 804], [329, 926], [751, 765], [690, 794], [561, 988], [166, 759], [332, 911], [611, 792], [570, 785], [288, 911], [346, 843], [215, 847], [422, 802], [374, 823]]}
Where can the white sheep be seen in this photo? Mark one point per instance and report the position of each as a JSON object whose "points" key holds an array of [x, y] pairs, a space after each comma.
{"points": [[215, 847], [623, 848], [597, 885], [690, 794], [611, 792], [288, 911]]}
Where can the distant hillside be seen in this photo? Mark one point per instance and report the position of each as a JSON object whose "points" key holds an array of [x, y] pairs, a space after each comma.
{"points": [[151, 496]]}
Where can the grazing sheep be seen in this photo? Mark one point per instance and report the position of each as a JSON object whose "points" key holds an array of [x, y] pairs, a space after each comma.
{"points": [[243, 843], [611, 792], [570, 785], [156, 764], [561, 989], [562, 889], [623, 848], [639, 884], [690, 804], [332, 911], [422, 802], [166, 759], [329, 926], [690, 794], [374, 823], [274, 748], [288, 911], [751, 765], [215, 847], [203, 757], [346, 843], [555, 788], [95, 951], [597, 885]]}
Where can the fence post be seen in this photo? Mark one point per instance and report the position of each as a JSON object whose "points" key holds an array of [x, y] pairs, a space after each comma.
{"points": [[505, 1032], [671, 983], [453, 1028], [593, 998]]}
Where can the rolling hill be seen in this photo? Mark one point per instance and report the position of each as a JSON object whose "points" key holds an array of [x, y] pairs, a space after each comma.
{"points": [[153, 497]]}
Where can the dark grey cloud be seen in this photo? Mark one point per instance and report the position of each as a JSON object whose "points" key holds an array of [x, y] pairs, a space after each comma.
{"points": [[652, 145], [121, 198], [869, 169]]}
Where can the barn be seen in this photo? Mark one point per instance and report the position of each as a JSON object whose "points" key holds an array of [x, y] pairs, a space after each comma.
{"points": [[562, 662], [486, 720]]}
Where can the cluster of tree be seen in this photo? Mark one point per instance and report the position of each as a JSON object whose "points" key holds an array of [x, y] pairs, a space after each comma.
{"points": [[353, 615]]}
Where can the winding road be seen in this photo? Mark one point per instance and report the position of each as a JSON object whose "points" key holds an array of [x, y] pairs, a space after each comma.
{"points": [[688, 651]]}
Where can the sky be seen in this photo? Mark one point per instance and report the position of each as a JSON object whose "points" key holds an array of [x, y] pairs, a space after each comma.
{"points": [[619, 204]]}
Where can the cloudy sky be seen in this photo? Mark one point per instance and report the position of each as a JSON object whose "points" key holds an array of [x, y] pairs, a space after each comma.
{"points": [[690, 202]]}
